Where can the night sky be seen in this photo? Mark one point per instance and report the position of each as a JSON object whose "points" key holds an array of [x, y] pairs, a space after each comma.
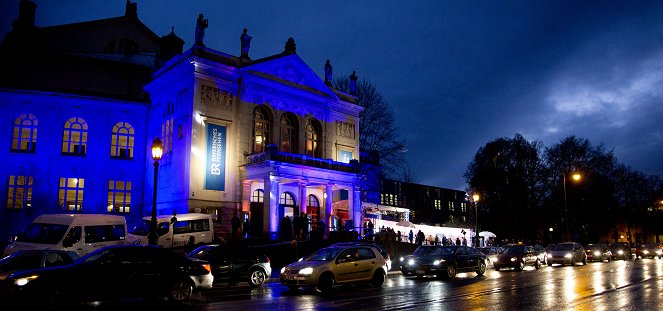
{"points": [[458, 74]]}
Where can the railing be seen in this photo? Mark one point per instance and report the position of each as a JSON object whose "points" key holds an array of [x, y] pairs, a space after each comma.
{"points": [[272, 154]]}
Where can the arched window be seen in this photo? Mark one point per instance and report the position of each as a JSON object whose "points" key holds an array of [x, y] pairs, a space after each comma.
{"points": [[313, 133], [289, 131], [312, 201], [25, 133], [74, 139], [262, 125], [122, 141], [287, 199], [258, 196]]}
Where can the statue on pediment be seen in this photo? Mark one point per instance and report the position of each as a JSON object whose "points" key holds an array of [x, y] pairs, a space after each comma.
{"points": [[328, 72], [290, 47], [245, 40], [201, 24], [353, 83]]}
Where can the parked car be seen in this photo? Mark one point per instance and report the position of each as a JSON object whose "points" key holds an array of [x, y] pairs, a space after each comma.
{"points": [[567, 253], [408, 263], [517, 257], [113, 273], [541, 253], [336, 265], [234, 264], [598, 252], [33, 259], [447, 261], [620, 251], [382, 251], [491, 253], [649, 250]]}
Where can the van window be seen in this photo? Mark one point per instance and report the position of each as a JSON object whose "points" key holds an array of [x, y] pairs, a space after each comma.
{"points": [[73, 236], [43, 233], [188, 226], [103, 233]]}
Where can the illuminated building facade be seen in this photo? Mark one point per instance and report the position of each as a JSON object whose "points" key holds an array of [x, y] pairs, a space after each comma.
{"points": [[264, 138]]}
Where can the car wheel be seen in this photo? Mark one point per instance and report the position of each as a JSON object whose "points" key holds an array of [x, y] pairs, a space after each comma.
{"points": [[497, 268], [481, 270], [378, 278], [520, 266], [573, 261], [584, 262], [325, 283], [549, 264], [537, 265], [451, 272], [257, 277], [180, 290]]}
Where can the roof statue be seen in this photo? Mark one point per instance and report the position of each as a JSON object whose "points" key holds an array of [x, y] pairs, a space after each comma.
{"points": [[328, 72], [290, 47], [245, 39], [201, 24], [353, 83]]}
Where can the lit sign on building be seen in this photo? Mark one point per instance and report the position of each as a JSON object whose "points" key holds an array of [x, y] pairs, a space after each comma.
{"points": [[344, 156], [215, 169]]}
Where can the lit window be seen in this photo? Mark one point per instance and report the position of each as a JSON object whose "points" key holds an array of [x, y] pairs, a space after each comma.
{"points": [[122, 141], [287, 199], [257, 196], [70, 193], [438, 204], [74, 139], [25, 133], [288, 133], [19, 194], [312, 201], [451, 206], [313, 131], [119, 196], [261, 129], [463, 207], [167, 135]]}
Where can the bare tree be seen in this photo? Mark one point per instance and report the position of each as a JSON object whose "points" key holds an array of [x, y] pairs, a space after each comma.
{"points": [[377, 130]]}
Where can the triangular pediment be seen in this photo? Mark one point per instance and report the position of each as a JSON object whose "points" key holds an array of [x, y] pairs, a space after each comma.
{"points": [[291, 70]]}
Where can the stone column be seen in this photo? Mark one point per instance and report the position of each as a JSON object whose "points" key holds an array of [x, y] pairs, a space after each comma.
{"points": [[246, 196], [356, 207], [302, 197], [328, 205], [271, 209]]}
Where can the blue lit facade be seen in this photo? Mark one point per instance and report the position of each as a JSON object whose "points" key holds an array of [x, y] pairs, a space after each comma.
{"points": [[263, 138]]}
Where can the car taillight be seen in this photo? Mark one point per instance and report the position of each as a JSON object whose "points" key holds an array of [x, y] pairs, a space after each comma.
{"points": [[207, 267]]}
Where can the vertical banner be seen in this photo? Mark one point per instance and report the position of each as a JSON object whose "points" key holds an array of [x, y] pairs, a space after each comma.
{"points": [[215, 168]]}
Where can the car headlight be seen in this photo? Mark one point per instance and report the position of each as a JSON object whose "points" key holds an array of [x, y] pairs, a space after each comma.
{"points": [[597, 253], [306, 271], [645, 252], [25, 280], [549, 255], [514, 258], [411, 262], [438, 262], [402, 258], [495, 259], [659, 252], [621, 252], [568, 256], [283, 270]]}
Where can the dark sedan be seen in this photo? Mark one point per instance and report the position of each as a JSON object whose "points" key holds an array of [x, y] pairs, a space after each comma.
{"points": [[33, 259], [648, 251], [114, 273], [446, 261], [598, 252], [517, 257], [235, 264], [620, 251]]}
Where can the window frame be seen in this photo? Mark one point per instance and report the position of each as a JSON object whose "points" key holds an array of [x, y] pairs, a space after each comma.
{"points": [[26, 123], [74, 135], [122, 138]]}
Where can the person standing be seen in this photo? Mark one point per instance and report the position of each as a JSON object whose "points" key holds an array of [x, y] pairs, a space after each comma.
{"points": [[235, 223], [411, 236]]}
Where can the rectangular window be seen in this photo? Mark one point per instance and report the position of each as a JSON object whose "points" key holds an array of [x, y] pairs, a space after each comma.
{"points": [[104, 233], [344, 156], [70, 193], [451, 206], [19, 192], [167, 135], [463, 207], [438, 204], [119, 196]]}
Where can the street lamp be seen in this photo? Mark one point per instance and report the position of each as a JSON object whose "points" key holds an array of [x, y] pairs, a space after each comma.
{"points": [[476, 218], [157, 151], [576, 177]]}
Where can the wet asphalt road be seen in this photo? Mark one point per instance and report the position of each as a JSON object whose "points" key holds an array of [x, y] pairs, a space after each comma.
{"points": [[617, 285]]}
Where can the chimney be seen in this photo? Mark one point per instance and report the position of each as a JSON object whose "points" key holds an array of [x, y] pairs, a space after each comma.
{"points": [[26, 16], [131, 9]]}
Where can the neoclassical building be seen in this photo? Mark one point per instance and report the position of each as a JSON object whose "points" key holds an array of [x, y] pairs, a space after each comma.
{"points": [[82, 103]]}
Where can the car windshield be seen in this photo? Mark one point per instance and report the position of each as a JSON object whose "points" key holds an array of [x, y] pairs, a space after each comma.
{"points": [[42, 233], [200, 252], [424, 250], [563, 247], [594, 247], [142, 229], [485, 251], [325, 254], [514, 250], [651, 246]]}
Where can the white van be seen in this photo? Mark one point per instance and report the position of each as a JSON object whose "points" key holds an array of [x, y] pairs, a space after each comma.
{"points": [[175, 231], [80, 233]]}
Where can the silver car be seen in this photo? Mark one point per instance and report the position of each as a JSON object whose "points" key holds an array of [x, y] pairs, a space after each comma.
{"points": [[336, 265], [567, 253]]}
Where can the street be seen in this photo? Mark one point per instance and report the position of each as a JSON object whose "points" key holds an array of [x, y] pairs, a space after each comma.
{"points": [[617, 285]]}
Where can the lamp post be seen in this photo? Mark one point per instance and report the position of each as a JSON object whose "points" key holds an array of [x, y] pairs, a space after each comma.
{"points": [[576, 177], [157, 151], [476, 218]]}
